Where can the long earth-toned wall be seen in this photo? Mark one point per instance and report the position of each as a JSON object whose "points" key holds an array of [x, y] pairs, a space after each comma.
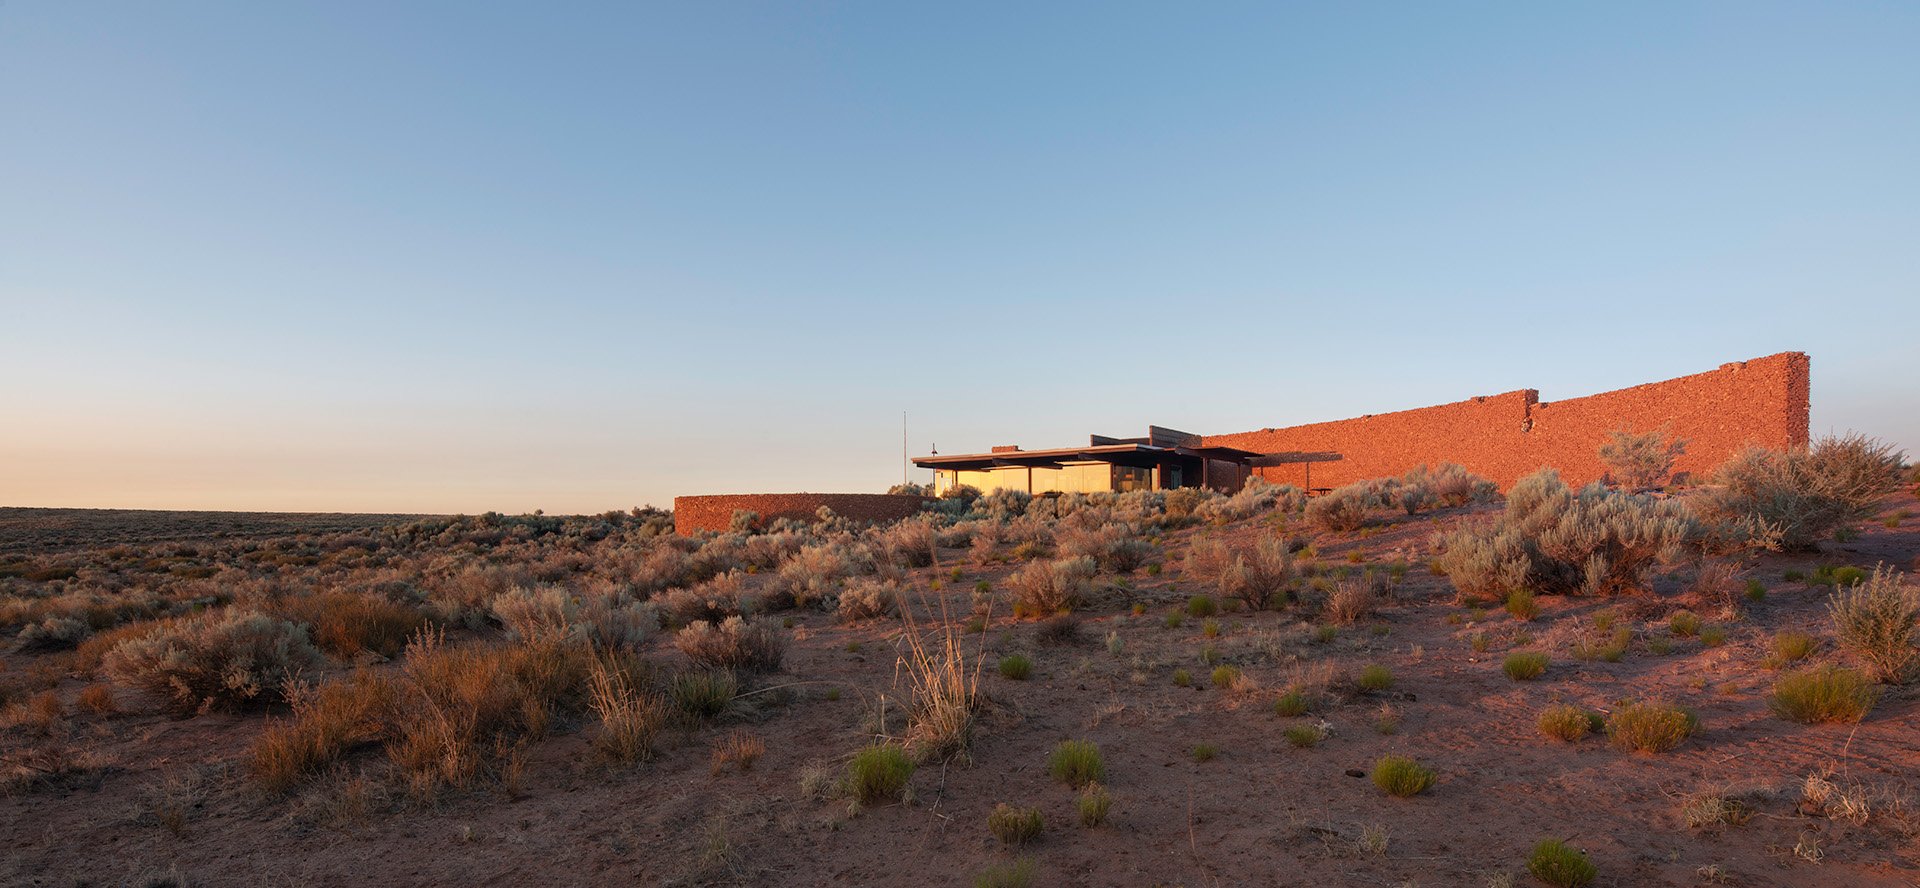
{"points": [[1503, 437], [692, 514]]}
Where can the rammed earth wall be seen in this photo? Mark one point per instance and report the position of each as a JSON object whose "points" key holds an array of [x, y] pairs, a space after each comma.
{"points": [[692, 514], [1503, 437]]}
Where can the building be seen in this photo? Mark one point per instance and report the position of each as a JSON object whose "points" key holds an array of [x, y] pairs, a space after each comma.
{"points": [[1165, 459], [1763, 401]]}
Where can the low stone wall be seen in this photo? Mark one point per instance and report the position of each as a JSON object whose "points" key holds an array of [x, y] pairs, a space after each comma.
{"points": [[692, 514]]}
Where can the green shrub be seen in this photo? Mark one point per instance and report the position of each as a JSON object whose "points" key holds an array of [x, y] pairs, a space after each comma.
{"points": [[1521, 604], [1076, 763], [1225, 676], [1304, 736], [1018, 874], [1793, 499], [1563, 722], [1554, 540], [1174, 619], [1290, 704], [223, 660], [1713, 636], [1204, 752], [703, 693], [1375, 678], [1016, 666], [879, 772], [1202, 606], [1824, 694], [1210, 628], [734, 643], [1791, 647], [1401, 776], [1650, 727], [1014, 826], [1560, 865], [1756, 591], [1878, 621], [1524, 665], [1683, 624], [1093, 805], [1182, 678]]}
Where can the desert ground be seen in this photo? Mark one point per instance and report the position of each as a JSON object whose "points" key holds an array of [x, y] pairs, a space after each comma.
{"points": [[1237, 744]]}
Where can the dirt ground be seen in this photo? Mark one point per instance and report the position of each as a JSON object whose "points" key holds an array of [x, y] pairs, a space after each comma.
{"points": [[166, 798]]}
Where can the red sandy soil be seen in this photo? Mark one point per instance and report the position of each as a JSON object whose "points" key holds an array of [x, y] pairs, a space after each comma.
{"points": [[1261, 813]]}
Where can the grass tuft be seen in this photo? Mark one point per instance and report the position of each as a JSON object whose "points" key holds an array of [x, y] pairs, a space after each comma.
{"points": [[1400, 776], [1823, 694], [1076, 763]]}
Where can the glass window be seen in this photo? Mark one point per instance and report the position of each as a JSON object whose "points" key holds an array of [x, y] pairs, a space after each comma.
{"points": [[1129, 478]]}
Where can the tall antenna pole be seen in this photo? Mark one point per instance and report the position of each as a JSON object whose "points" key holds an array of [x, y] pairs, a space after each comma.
{"points": [[906, 458]]}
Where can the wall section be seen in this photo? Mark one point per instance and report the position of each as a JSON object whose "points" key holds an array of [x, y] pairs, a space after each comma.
{"points": [[692, 514], [1761, 401]]}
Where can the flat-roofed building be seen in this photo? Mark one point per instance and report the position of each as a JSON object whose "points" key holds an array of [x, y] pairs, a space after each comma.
{"points": [[1165, 459]]}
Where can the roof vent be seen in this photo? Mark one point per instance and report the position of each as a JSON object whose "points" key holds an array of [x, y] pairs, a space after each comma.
{"points": [[1006, 448]]}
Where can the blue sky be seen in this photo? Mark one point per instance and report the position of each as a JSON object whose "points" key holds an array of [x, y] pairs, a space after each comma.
{"points": [[457, 257]]}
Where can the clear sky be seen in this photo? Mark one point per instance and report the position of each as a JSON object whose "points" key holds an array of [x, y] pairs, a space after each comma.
{"points": [[458, 257]]}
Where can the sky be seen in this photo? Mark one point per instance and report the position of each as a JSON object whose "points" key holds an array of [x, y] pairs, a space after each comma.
{"points": [[457, 257]]}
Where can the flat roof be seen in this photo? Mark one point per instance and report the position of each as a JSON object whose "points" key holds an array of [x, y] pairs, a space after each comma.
{"points": [[1142, 455]]}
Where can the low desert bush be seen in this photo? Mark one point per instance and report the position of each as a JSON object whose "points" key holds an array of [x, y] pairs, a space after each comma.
{"points": [[714, 600], [1351, 600], [1094, 804], [738, 748], [1115, 547], [1650, 727], [1554, 540], [736, 643], [1017, 874], [943, 686], [1684, 624], [1878, 621], [54, 634], [1375, 677], [1014, 826], [1824, 694], [1225, 676], [1016, 666], [878, 772], [1291, 703], [222, 660], [1447, 484], [1791, 647], [631, 715], [866, 599], [1640, 461], [345, 623], [1201, 753], [464, 711], [1202, 606], [1792, 499], [1521, 604], [328, 721], [1564, 722], [1560, 865], [1260, 577], [98, 699], [1045, 588], [703, 693], [1525, 665], [1345, 508], [1076, 763], [1304, 736], [1400, 776]]}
